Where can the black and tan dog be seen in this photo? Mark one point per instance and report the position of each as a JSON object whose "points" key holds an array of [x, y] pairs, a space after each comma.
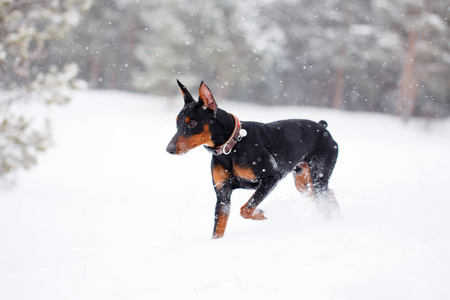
{"points": [[254, 155]]}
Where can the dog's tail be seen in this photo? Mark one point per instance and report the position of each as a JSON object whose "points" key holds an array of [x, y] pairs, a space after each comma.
{"points": [[323, 123]]}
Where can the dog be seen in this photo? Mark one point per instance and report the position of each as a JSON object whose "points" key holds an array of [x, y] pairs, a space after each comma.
{"points": [[254, 155]]}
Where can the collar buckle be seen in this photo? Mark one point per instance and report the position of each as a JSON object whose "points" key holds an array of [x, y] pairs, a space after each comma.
{"points": [[236, 136]]}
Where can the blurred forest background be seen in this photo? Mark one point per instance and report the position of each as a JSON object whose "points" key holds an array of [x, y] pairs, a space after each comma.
{"points": [[390, 56]]}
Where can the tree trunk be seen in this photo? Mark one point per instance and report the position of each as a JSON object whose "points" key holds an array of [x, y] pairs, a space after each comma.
{"points": [[408, 87], [95, 71], [339, 84], [341, 65], [131, 42]]}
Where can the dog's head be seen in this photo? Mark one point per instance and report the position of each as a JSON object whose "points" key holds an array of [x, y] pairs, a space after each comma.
{"points": [[193, 121]]}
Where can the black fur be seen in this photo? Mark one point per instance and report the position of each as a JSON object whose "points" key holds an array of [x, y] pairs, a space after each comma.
{"points": [[260, 159]]}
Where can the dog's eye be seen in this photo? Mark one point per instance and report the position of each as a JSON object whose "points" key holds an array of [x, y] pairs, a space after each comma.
{"points": [[192, 123]]}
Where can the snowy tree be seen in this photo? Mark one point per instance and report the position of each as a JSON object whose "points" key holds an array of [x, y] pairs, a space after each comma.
{"points": [[197, 41], [376, 55], [26, 27], [354, 54], [320, 48], [421, 30], [103, 44]]}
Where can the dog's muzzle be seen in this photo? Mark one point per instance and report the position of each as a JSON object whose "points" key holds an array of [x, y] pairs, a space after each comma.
{"points": [[171, 148]]}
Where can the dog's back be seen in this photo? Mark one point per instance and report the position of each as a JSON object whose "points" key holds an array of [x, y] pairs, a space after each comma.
{"points": [[256, 155]]}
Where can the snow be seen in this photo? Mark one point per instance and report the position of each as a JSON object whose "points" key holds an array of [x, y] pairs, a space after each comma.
{"points": [[108, 214], [362, 29]]}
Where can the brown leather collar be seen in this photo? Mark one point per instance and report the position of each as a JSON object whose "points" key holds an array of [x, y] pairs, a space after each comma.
{"points": [[235, 137]]}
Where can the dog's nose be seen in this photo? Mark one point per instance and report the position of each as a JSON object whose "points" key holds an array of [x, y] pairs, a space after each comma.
{"points": [[171, 148]]}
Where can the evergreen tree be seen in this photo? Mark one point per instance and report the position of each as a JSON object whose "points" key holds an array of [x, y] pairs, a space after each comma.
{"points": [[197, 41], [376, 55], [422, 31], [26, 27], [104, 44]]}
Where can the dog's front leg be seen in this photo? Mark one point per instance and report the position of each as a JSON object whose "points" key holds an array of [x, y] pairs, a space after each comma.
{"points": [[249, 210], [222, 212]]}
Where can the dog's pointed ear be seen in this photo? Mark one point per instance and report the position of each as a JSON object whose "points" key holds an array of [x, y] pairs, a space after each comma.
{"points": [[206, 97], [186, 95]]}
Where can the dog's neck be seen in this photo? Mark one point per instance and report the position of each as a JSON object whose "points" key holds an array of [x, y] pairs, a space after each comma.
{"points": [[222, 127]]}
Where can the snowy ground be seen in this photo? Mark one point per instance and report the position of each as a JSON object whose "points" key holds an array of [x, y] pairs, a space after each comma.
{"points": [[108, 214]]}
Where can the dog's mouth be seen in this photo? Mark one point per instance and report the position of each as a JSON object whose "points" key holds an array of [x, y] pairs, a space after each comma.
{"points": [[179, 149], [183, 149]]}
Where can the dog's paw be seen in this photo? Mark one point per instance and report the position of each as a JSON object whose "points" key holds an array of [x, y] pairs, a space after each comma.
{"points": [[253, 214], [258, 215]]}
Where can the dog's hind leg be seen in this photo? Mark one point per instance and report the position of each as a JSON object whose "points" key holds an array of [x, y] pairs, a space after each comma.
{"points": [[321, 168], [312, 176], [324, 199], [302, 179]]}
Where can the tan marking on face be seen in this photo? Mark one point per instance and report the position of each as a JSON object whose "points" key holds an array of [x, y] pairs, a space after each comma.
{"points": [[184, 144], [187, 119], [244, 172], [220, 175]]}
